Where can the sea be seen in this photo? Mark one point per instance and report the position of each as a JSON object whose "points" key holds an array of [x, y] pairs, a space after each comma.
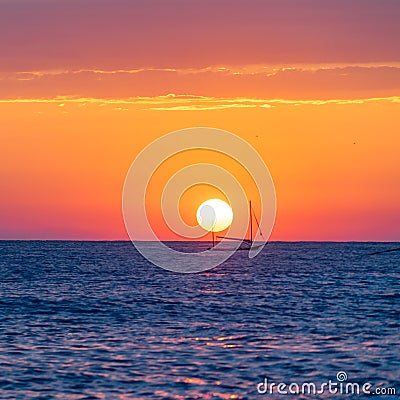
{"points": [[96, 320]]}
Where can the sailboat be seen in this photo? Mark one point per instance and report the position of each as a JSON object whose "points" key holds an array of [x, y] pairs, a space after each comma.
{"points": [[247, 244]]}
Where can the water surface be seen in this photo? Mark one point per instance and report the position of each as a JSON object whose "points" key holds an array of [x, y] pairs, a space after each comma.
{"points": [[94, 320]]}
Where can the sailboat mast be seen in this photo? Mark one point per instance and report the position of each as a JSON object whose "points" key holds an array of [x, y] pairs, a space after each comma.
{"points": [[213, 240], [251, 223]]}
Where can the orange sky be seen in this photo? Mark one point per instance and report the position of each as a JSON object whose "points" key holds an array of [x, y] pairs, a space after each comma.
{"points": [[79, 101]]}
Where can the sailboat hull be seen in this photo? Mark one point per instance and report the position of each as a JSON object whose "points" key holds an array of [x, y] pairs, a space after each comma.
{"points": [[238, 249], [247, 244]]}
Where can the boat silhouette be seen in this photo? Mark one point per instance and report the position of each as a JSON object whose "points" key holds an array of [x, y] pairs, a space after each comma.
{"points": [[246, 244]]}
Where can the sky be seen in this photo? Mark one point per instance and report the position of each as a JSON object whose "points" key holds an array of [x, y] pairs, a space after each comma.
{"points": [[313, 86]]}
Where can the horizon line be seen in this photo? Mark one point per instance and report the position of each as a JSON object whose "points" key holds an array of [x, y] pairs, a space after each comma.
{"points": [[195, 241]]}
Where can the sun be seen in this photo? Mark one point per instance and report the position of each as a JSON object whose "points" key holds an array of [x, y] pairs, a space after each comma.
{"points": [[214, 215]]}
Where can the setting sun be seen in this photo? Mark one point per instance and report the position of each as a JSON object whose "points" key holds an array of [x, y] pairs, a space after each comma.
{"points": [[214, 215]]}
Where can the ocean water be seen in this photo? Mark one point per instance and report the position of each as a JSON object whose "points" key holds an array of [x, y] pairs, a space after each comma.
{"points": [[94, 320]]}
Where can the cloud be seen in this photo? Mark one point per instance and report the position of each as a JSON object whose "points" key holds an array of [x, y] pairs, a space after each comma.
{"points": [[245, 70], [306, 81], [172, 102]]}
